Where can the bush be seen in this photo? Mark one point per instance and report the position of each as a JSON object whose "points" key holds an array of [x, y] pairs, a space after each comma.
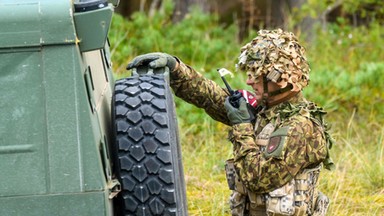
{"points": [[346, 78], [199, 40]]}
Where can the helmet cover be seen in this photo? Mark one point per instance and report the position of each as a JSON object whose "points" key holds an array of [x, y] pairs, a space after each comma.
{"points": [[278, 56]]}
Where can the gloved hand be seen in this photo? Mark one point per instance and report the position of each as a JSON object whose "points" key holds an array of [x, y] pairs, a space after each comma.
{"points": [[243, 114], [153, 60]]}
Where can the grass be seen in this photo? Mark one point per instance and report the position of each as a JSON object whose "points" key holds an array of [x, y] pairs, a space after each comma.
{"points": [[355, 187], [204, 158], [346, 79]]}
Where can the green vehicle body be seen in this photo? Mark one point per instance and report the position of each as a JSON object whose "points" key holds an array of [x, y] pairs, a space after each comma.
{"points": [[56, 86]]}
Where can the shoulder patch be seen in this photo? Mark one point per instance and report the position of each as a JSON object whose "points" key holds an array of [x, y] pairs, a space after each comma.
{"points": [[273, 144], [276, 143]]}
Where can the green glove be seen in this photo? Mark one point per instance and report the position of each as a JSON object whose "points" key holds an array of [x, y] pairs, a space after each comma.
{"points": [[242, 114], [153, 60]]}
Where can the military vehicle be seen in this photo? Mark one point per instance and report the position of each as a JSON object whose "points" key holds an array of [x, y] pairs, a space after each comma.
{"points": [[73, 140]]}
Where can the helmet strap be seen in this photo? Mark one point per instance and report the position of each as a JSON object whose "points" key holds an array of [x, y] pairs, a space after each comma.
{"points": [[268, 95], [265, 93], [287, 88], [288, 96]]}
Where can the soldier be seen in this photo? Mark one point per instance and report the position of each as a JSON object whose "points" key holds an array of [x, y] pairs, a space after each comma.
{"points": [[280, 147]]}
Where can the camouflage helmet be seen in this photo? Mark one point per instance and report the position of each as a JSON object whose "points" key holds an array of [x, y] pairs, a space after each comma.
{"points": [[278, 56]]}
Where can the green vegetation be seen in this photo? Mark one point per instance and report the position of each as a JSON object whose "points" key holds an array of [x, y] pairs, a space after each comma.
{"points": [[346, 79]]}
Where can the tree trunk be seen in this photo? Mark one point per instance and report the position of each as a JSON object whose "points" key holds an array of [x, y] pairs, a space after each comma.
{"points": [[126, 8], [306, 25], [182, 8]]}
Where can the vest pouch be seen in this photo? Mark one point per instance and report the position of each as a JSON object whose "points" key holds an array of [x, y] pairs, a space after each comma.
{"points": [[321, 206], [305, 190], [257, 200], [230, 174], [237, 203], [233, 180], [257, 204], [281, 201]]}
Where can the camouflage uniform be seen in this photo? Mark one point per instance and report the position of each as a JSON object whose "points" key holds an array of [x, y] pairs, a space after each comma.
{"points": [[298, 140], [277, 157]]}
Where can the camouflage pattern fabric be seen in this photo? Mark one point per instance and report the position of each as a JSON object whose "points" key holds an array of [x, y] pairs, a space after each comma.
{"points": [[277, 55], [322, 204], [305, 146], [193, 88], [237, 203]]}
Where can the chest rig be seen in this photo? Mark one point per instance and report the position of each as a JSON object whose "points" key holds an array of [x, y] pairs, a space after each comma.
{"points": [[297, 197]]}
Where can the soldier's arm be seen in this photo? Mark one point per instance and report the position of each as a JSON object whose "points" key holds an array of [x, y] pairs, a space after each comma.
{"points": [[293, 146], [193, 88]]}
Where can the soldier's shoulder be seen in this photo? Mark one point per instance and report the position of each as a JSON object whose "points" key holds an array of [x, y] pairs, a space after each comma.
{"points": [[294, 121]]}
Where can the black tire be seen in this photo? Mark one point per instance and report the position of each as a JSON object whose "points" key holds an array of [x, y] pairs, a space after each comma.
{"points": [[147, 150]]}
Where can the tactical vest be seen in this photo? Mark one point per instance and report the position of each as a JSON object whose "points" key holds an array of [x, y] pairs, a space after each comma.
{"points": [[297, 197]]}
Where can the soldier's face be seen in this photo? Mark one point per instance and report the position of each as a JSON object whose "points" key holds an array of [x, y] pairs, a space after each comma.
{"points": [[257, 85]]}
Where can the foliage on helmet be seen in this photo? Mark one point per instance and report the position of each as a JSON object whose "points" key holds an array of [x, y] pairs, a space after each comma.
{"points": [[278, 56]]}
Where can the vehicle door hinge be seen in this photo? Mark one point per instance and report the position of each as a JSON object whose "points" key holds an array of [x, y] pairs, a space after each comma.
{"points": [[114, 188]]}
